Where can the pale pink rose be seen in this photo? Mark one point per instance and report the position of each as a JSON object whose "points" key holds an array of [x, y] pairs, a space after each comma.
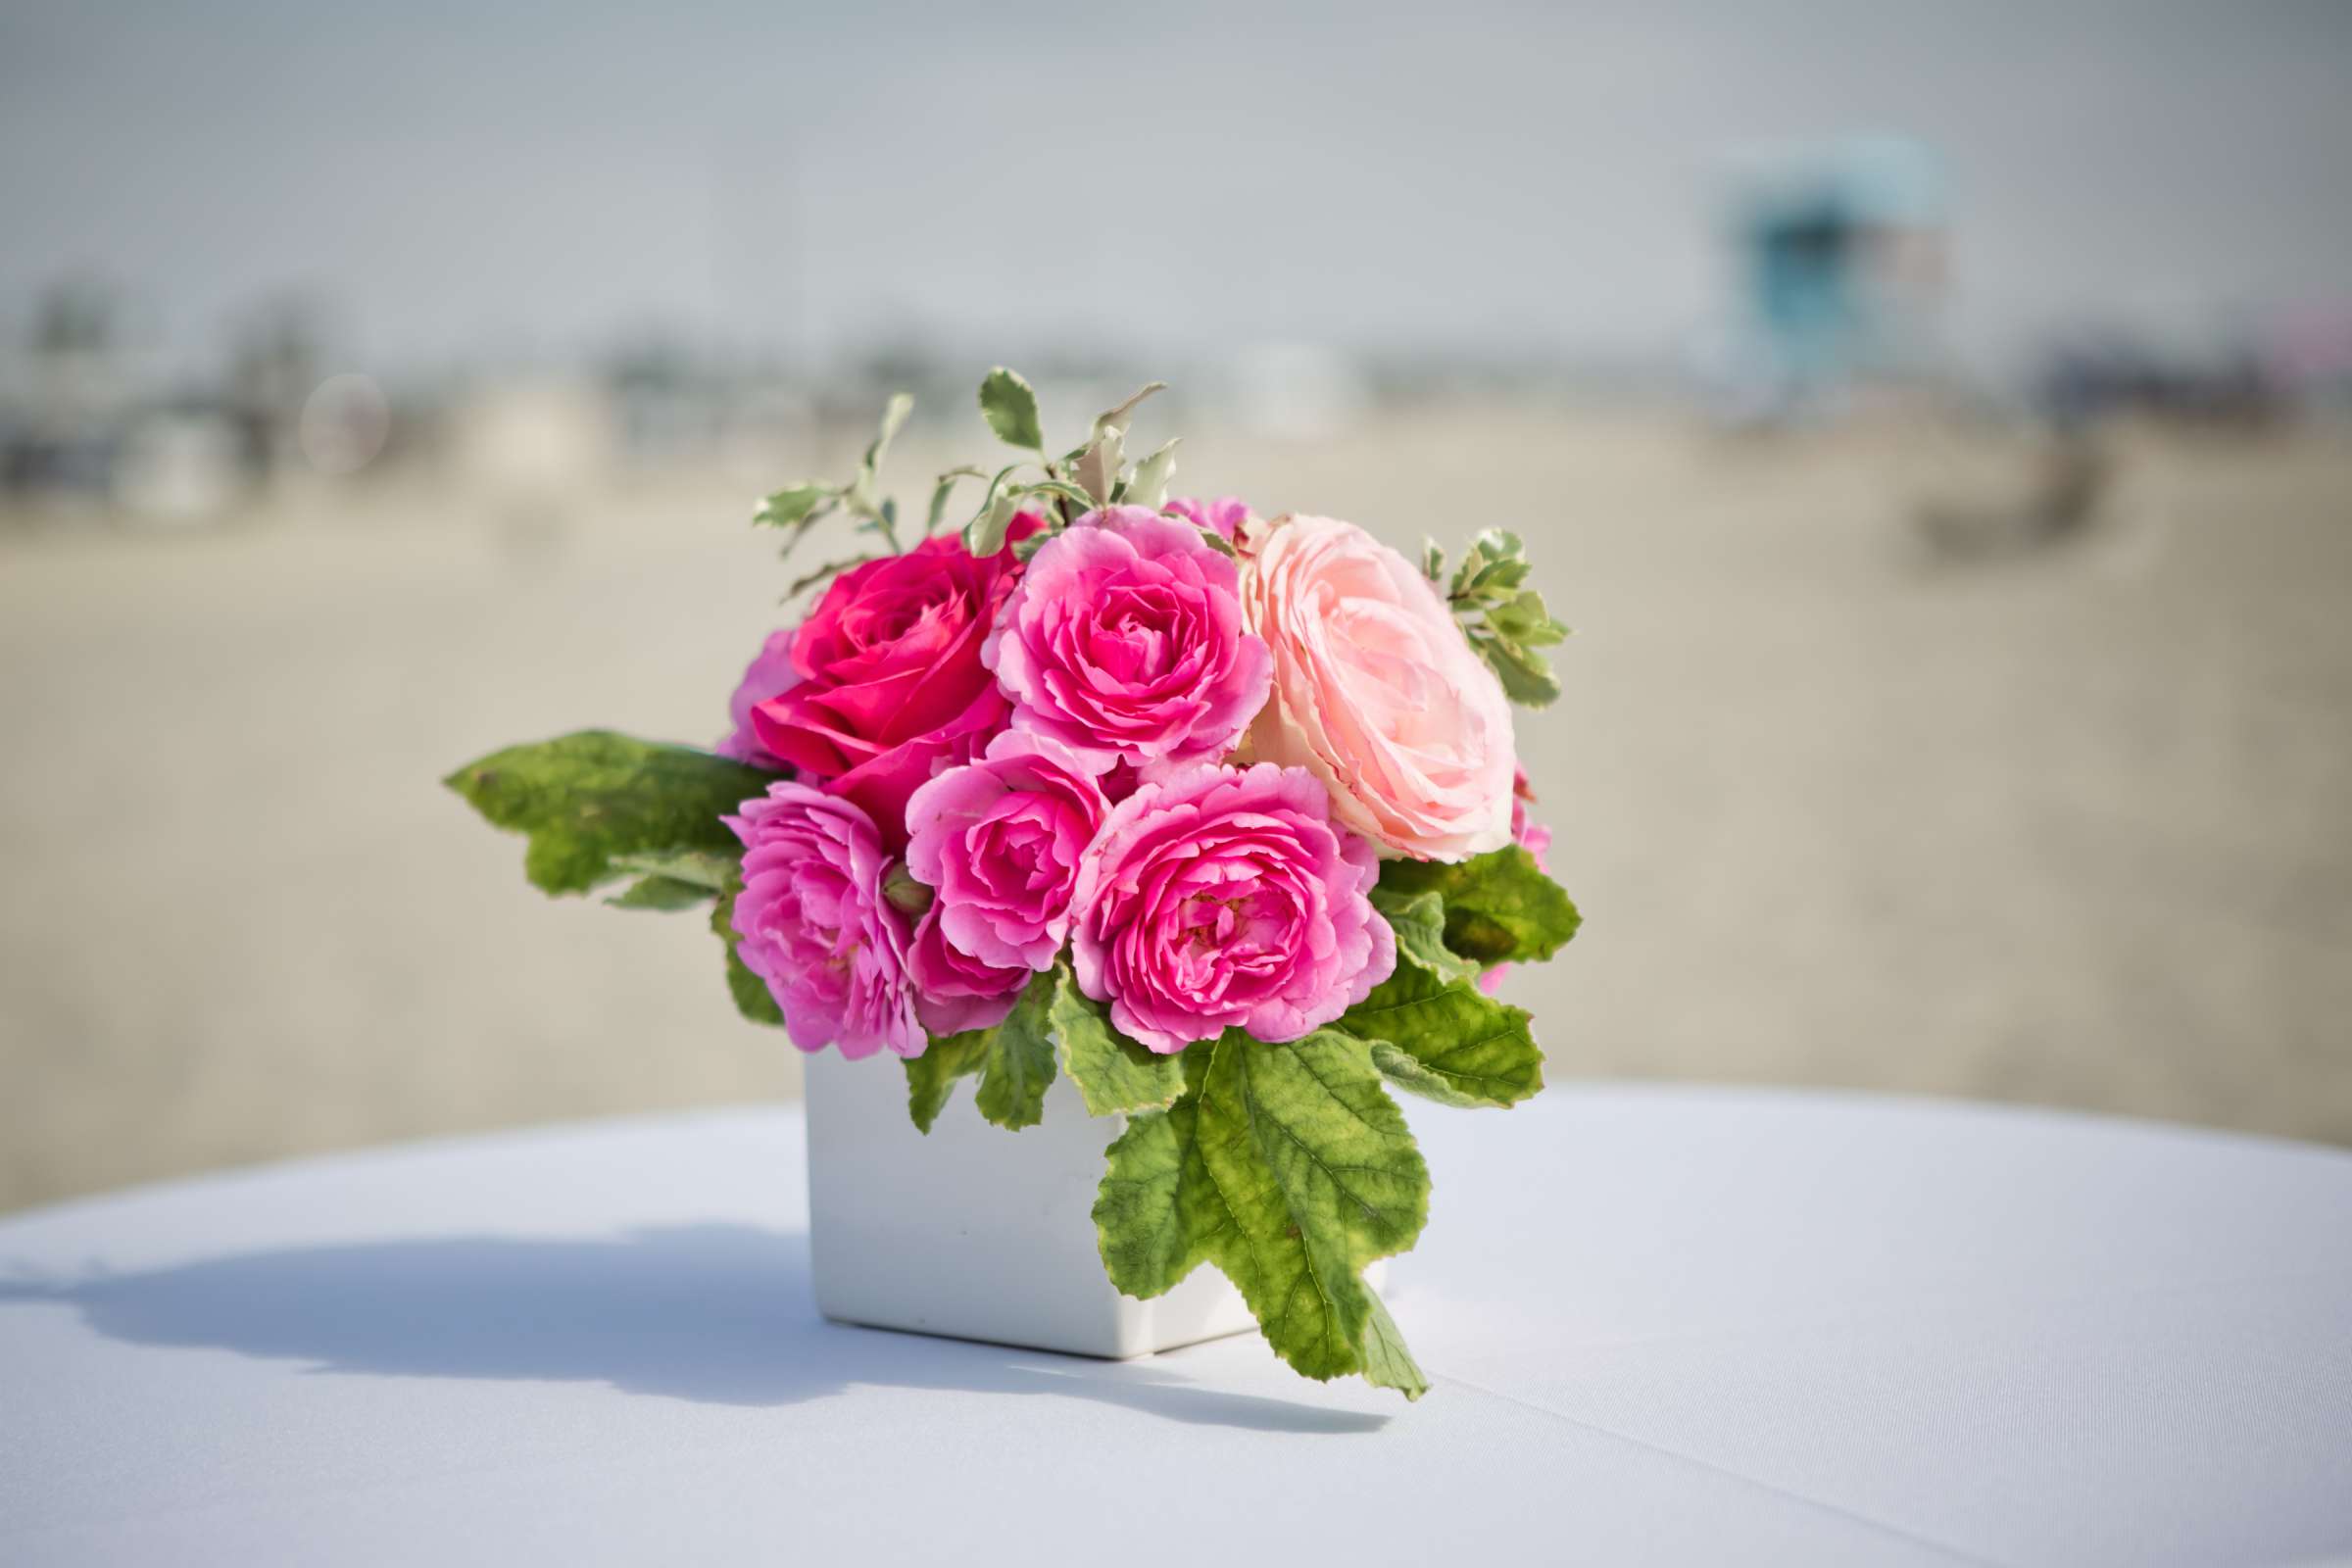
{"points": [[1124, 640], [953, 991], [999, 840], [771, 674], [1220, 898], [1377, 692], [816, 926]]}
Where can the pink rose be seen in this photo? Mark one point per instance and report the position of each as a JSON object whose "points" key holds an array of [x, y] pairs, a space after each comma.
{"points": [[1220, 898], [953, 991], [999, 840], [770, 676], [1222, 516], [892, 685], [1124, 642], [815, 927], [1377, 692]]}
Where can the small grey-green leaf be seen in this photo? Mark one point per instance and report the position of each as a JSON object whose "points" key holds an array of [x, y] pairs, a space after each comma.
{"points": [[1114, 421], [794, 504], [1098, 464], [1009, 407], [827, 574], [1147, 486], [985, 534]]}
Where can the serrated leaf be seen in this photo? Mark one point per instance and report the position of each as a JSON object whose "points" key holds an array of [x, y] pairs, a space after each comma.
{"points": [[985, 534], [1480, 1050], [589, 798], [1113, 1074], [1009, 407], [795, 505], [662, 893], [826, 572], [752, 997], [1419, 921], [1147, 486], [1157, 1215], [711, 872], [940, 493], [1115, 421], [1318, 1176], [1388, 1364], [1098, 465], [1527, 678], [1218, 542], [1499, 906], [1403, 1070], [1020, 1061], [931, 1077]]}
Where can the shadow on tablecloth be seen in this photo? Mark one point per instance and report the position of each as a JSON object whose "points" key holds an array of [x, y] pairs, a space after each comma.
{"points": [[719, 1314]]}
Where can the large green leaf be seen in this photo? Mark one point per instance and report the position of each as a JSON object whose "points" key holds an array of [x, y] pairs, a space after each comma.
{"points": [[1318, 1176], [1499, 906], [1010, 409], [1445, 1040], [1157, 1215], [931, 1077], [1419, 921], [1019, 1064], [1387, 1362], [752, 997], [589, 798], [1112, 1072]]}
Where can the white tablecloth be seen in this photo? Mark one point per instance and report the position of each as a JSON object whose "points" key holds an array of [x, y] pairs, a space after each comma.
{"points": [[1663, 1326]]}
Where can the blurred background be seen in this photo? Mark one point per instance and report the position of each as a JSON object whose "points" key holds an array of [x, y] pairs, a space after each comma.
{"points": [[1937, 421]]}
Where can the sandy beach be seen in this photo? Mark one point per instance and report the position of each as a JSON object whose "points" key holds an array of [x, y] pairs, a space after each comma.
{"points": [[2072, 828]]}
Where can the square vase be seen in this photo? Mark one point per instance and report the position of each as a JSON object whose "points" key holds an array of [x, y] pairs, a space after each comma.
{"points": [[977, 1233]]}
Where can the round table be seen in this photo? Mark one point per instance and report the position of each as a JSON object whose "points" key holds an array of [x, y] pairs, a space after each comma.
{"points": [[1662, 1325]]}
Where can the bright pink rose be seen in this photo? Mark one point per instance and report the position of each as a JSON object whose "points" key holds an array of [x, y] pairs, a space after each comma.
{"points": [[892, 685], [954, 991], [1222, 516], [998, 841], [1220, 898], [770, 676], [1124, 640], [1377, 692], [815, 927]]}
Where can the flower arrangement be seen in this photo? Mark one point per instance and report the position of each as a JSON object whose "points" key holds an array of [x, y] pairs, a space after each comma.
{"points": [[1220, 816]]}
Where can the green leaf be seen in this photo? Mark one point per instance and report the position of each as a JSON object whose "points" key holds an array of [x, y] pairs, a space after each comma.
{"points": [[752, 997], [1114, 1073], [665, 892], [1148, 485], [984, 536], [1020, 1061], [1526, 677], [825, 573], [1318, 1176], [1499, 906], [1459, 1046], [1010, 408], [1114, 421], [696, 867], [796, 504], [1419, 921], [940, 493], [1157, 1215], [1433, 561], [1218, 542], [1388, 1363], [1098, 465], [931, 1077], [589, 798]]}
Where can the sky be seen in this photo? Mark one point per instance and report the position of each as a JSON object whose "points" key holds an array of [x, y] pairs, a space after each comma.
{"points": [[474, 183]]}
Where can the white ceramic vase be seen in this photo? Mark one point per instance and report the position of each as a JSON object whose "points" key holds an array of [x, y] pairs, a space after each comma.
{"points": [[977, 1233]]}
